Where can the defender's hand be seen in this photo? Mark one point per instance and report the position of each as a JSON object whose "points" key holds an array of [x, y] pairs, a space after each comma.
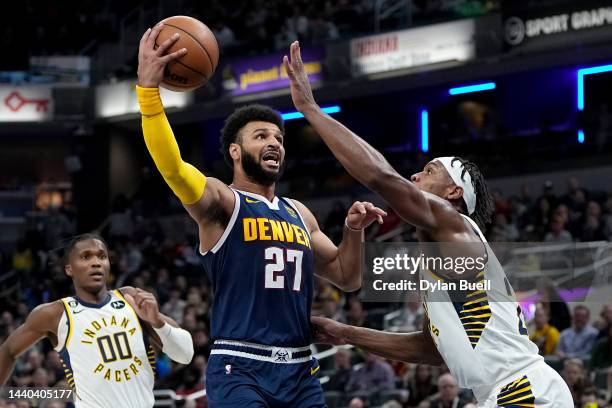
{"points": [[145, 305], [301, 92], [152, 61], [362, 214], [328, 331]]}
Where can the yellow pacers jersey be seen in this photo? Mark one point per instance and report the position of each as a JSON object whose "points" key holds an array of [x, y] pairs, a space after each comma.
{"points": [[482, 338], [106, 355]]}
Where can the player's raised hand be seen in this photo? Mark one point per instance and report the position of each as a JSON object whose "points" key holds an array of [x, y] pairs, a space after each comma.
{"points": [[301, 92], [152, 60], [145, 305], [362, 214], [328, 331]]}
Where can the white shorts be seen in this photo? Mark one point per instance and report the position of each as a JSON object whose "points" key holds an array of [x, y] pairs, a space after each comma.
{"points": [[539, 386]]}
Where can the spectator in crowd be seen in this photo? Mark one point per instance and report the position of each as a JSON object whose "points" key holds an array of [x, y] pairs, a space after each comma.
{"points": [[577, 341], [602, 352], [421, 385], [175, 306], [356, 316], [557, 232], [410, 315], [374, 376], [575, 377], [544, 335], [448, 394], [356, 403], [556, 308], [604, 322], [342, 371]]}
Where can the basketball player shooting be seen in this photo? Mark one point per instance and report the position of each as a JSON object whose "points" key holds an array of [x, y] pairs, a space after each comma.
{"points": [[104, 337], [260, 252], [482, 340]]}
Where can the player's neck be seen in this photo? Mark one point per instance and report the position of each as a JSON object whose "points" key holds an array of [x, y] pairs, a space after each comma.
{"points": [[247, 185], [89, 297]]}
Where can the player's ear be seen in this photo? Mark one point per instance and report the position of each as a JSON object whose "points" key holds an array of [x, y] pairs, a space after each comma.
{"points": [[68, 270], [455, 193], [234, 150]]}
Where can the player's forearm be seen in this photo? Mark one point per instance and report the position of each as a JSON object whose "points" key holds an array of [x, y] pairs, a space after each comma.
{"points": [[415, 347], [186, 181], [362, 161], [7, 364], [349, 256]]}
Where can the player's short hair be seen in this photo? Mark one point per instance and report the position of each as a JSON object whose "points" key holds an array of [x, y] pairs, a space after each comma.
{"points": [[484, 202], [239, 118], [69, 246]]}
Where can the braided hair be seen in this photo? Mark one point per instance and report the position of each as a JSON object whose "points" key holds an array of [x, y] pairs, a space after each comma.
{"points": [[69, 246], [484, 202]]}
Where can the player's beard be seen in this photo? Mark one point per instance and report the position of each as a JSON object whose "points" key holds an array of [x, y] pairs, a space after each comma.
{"points": [[254, 171]]}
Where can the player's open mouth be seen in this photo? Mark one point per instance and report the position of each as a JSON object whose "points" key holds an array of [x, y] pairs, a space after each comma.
{"points": [[97, 274], [272, 159]]}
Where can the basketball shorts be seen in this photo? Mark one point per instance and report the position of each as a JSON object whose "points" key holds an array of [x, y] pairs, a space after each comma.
{"points": [[538, 386], [249, 375]]}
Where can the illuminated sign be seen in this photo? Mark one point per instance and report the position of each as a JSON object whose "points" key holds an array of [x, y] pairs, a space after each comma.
{"points": [[26, 103], [257, 74], [452, 41]]}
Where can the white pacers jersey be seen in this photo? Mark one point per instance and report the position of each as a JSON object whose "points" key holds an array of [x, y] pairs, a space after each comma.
{"points": [[482, 338], [105, 354]]}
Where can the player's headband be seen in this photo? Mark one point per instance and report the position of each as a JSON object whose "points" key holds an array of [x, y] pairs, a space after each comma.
{"points": [[455, 170]]}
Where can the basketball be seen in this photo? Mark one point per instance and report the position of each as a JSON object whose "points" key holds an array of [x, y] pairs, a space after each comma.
{"points": [[196, 67]]}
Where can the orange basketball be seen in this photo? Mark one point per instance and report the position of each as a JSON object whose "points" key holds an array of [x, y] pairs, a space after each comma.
{"points": [[196, 67]]}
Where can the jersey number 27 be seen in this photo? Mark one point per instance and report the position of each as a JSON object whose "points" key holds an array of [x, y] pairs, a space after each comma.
{"points": [[277, 259]]}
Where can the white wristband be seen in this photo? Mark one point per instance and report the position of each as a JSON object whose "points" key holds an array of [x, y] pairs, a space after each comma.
{"points": [[351, 228], [176, 343]]}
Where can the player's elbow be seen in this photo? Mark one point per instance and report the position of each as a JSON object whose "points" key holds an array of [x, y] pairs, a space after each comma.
{"points": [[351, 284]]}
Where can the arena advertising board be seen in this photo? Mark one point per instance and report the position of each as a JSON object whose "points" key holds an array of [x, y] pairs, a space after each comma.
{"points": [[454, 41], [120, 99], [522, 24], [31, 103], [257, 74], [62, 69]]}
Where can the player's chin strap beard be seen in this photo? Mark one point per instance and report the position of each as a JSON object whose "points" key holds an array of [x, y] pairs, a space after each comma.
{"points": [[256, 173]]}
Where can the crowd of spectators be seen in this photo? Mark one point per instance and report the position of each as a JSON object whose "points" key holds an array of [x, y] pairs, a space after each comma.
{"points": [[146, 255], [68, 27]]}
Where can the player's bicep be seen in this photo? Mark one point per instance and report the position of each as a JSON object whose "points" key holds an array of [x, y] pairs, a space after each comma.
{"points": [[41, 321], [407, 200], [325, 254]]}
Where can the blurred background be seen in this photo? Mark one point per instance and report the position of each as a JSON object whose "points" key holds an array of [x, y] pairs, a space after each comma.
{"points": [[521, 88]]}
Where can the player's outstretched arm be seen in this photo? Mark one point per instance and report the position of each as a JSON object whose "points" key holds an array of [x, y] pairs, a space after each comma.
{"points": [[166, 333], [187, 182], [365, 163], [41, 322], [416, 347], [341, 265]]}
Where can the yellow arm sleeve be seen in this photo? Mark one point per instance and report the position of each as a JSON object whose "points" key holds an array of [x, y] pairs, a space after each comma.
{"points": [[187, 182]]}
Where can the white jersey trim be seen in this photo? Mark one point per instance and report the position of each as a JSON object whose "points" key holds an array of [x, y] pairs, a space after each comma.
{"points": [[62, 332], [228, 228]]}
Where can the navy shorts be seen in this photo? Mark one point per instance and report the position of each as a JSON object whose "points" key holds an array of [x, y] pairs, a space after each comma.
{"points": [[233, 382]]}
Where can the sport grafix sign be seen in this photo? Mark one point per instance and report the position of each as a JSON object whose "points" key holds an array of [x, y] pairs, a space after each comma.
{"points": [[522, 26]]}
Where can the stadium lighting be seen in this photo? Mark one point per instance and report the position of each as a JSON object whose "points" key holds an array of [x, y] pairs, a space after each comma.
{"points": [[424, 130], [581, 73], [297, 115], [581, 136], [486, 86]]}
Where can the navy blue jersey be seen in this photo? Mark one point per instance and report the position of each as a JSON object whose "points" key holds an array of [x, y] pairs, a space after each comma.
{"points": [[261, 271]]}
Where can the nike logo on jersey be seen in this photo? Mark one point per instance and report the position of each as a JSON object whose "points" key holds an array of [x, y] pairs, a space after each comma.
{"points": [[77, 311], [248, 200], [313, 371]]}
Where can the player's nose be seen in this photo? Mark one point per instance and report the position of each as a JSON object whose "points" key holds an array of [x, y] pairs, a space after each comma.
{"points": [[415, 178]]}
